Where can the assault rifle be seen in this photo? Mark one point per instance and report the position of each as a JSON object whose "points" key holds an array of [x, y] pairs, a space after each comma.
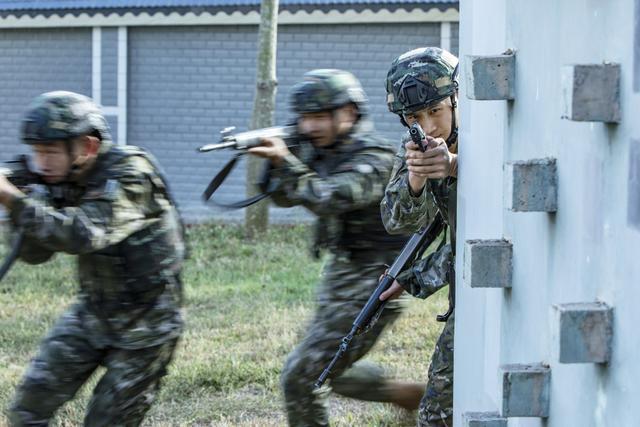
{"points": [[411, 252], [242, 141], [248, 139], [18, 173]]}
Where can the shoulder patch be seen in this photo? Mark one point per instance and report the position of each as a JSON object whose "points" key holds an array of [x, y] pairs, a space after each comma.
{"points": [[364, 168]]}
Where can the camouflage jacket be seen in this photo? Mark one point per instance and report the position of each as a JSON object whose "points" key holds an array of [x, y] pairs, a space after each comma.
{"points": [[120, 221], [341, 184], [404, 212]]}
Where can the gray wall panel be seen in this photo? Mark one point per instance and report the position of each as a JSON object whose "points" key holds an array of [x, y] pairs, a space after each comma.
{"points": [[110, 66], [187, 83], [455, 39], [113, 125], [35, 61]]}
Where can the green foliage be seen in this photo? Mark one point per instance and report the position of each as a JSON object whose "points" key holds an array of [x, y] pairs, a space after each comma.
{"points": [[246, 304]]}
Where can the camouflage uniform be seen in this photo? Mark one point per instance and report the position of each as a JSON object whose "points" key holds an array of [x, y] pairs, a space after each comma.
{"points": [[341, 184], [403, 211], [121, 222]]}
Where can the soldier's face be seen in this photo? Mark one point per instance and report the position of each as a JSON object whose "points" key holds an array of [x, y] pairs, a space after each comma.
{"points": [[324, 127], [435, 121], [53, 161]]}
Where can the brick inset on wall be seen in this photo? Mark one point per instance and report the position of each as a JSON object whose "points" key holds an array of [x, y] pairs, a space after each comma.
{"points": [[483, 419], [525, 390], [488, 263], [585, 332], [591, 92], [532, 185], [491, 77]]}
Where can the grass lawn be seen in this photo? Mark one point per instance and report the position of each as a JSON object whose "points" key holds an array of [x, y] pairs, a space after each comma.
{"points": [[246, 304]]}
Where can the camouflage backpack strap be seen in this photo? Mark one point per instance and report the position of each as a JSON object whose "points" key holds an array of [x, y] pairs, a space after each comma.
{"points": [[160, 182]]}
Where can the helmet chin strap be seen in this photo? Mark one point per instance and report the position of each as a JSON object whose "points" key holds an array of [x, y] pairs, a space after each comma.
{"points": [[454, 105], [75, 169], [453, 136], [335, 125]]}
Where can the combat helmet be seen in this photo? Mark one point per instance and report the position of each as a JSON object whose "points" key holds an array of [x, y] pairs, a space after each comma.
{"points": [[327, 89], [62, 115], [420, 79]]}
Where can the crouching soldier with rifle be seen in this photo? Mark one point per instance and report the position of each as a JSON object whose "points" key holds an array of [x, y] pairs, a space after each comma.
{"points": [[422, 88], [338, 170], [116, 214]]}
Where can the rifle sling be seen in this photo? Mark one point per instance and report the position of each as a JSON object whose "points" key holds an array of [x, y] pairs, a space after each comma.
{"points": [[12, 255], [219, 178]]}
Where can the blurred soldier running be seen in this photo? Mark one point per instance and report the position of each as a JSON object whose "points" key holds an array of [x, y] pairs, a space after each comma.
{"points": [[111, 207], [339, 172]]}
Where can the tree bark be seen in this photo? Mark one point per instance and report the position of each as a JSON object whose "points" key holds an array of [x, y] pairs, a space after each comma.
{"points": [[257, 216]]}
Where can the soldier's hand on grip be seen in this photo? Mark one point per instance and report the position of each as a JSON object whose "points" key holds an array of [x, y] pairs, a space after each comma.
{"points": [[394, 291], [434, 163], [274, 149]]}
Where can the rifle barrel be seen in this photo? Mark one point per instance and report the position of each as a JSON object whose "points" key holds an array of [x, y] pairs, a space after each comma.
{"points": [[217, 146]]}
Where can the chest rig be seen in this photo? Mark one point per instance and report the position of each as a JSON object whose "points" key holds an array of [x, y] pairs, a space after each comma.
{"points": [[135, 270], [354, 231]]}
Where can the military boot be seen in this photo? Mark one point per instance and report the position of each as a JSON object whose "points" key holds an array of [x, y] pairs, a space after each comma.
{"points": [[406, 395]]}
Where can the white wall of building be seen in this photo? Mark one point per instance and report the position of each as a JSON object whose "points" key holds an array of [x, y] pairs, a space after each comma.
{"points": [[590, 249]]}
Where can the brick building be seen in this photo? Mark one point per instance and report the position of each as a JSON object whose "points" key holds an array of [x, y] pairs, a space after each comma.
{"points": [[170, 74]]}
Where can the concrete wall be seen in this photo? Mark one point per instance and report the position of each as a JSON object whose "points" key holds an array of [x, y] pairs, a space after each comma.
{"points": [[587, 251]]}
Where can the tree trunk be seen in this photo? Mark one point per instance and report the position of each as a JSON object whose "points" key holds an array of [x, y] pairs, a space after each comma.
{"points": [[257, 216]]}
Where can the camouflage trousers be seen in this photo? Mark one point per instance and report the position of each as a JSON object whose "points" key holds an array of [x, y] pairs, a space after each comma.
{"points": [[436, 407], [345, 288], [67, 358]]}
